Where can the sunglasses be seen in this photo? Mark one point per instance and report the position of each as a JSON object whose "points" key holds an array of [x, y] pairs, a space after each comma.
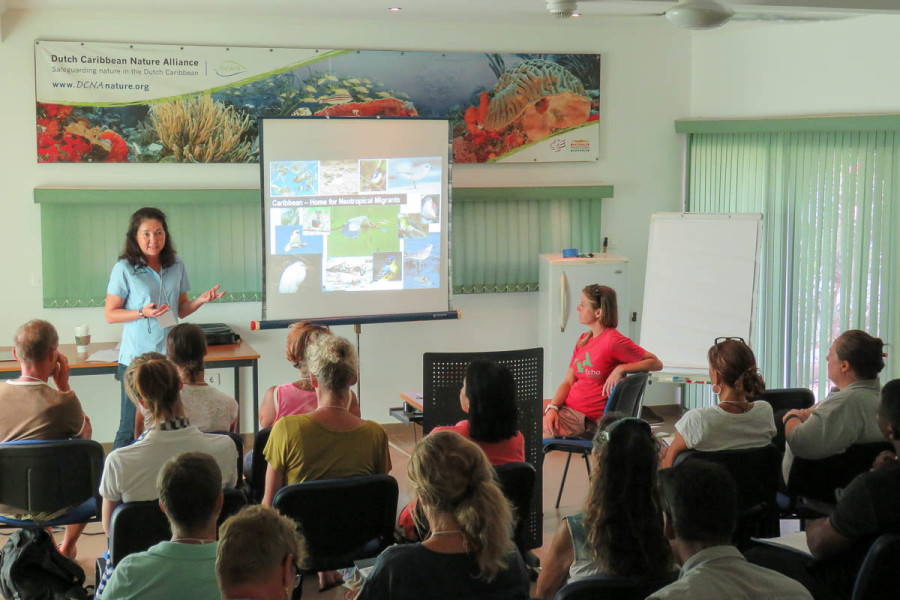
{"points": [[719, 340]]}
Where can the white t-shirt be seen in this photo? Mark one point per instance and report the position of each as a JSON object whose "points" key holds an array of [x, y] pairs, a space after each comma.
{"points": [[204, 406], [129, 474], [711, 428]]}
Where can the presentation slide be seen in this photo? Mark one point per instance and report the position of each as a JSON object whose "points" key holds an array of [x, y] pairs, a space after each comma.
{"points": [[355, 216]]}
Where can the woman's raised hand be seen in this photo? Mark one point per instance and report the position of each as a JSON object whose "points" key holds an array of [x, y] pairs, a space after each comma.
{"points": [[154, 310], [210, 295]]}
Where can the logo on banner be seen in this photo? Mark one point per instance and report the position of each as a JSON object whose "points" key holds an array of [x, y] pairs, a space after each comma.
{"points": [[230, 68], [580, 146], [558, 145]]}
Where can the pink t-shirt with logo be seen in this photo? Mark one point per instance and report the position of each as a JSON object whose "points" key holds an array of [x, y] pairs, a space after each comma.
{"points": [[592, 364]]}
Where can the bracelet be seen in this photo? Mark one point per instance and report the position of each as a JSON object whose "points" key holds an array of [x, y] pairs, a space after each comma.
{"points": [[141, 313], [789, 417], [549, 406]]}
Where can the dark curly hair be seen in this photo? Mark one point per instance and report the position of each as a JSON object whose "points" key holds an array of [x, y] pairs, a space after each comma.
{"points": [[132, 251], [622, 515], [491, 391]]}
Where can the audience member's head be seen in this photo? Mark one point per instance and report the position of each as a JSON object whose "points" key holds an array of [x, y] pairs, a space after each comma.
{"points": [[190, 492], [700, 503], [34, 342], [153, 381], [622, 512], [301, 336], [889, 411], [603, 298], [452, 478], [332, 361], [259, 554], [186, 347], [735, 365], [489, 391], [863, 354]]}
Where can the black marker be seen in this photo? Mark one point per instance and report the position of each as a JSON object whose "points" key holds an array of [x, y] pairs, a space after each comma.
{"points": [[605, 243]]}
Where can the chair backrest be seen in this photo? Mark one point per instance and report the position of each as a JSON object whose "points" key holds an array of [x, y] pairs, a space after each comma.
{"points": [[258, 465], [239, 445], [517, 483], [614, 588], [136, 526], [788, 398], [628, 395], [46, 476], [443, 374], [818, 479], [342, 520], [877, 578]]}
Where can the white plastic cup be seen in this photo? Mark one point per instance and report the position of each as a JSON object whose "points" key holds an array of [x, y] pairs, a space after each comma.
{"points": [[82, 338]]}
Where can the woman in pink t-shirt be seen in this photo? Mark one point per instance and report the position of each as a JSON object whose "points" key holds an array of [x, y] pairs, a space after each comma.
{"points": [[601, 359], [299, 397]]}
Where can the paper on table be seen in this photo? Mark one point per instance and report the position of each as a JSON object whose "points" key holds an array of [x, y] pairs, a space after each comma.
{"points": [[795, 540], [105, 356]]}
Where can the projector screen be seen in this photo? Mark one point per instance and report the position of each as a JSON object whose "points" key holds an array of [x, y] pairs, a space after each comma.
{"points": [[355, 214]]}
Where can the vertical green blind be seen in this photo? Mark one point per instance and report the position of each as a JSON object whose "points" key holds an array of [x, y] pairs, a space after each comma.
{"points": [[830, 256], [496, 235]]}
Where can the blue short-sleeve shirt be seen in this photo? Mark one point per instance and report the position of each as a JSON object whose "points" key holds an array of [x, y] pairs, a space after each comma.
{"points": [[140, 286]]}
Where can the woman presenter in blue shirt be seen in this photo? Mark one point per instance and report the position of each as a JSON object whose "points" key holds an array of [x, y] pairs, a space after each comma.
{"points": [[148, 293]]}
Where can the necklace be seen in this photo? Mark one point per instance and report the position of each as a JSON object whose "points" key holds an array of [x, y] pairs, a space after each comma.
{"points": [[29, 377], [744, 406], [439, 533], [334, 406]]}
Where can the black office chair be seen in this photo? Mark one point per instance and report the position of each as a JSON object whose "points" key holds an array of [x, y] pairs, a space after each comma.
{"points": [[876, 579], [757, 473], [259, 465], [342, 520], [818, 479], [626, 398], [517, 482], [239, 446], [136, 526], [442, 376], [788, 398], [38, 476], [614, 588]]}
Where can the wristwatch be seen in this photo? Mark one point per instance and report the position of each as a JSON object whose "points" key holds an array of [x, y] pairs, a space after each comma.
{"points": [[549, 406], [141, 312]]}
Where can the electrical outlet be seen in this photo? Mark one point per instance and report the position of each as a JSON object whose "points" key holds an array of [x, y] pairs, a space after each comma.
{"points": [[613, 242], [214, 378]]}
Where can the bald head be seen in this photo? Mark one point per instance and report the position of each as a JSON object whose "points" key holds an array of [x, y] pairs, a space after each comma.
{"points": [[34, 340]]}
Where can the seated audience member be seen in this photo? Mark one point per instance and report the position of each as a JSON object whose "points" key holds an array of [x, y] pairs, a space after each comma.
{"points": [[330, 442], [735, 422], [601, 359], [205, 407], [130, 472], [32, 410], [700, 514], [868, 508], [470, 553], [847, 416], [299, 397], [620, 531], [190, 493], [488, 395], [259, 555]]}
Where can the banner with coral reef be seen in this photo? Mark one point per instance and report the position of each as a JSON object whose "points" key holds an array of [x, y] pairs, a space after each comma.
{"points": [[103, 102]]}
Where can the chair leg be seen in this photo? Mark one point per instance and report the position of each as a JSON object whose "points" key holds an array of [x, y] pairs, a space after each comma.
{"points": [[562, 484], [587, 463]]}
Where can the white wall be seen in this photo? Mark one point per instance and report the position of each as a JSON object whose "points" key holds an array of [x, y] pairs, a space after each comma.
{"points": [[644, 87], [753, 69]]}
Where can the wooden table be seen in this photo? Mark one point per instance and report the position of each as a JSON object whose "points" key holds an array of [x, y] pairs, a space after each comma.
{"points": [[233, 356]]}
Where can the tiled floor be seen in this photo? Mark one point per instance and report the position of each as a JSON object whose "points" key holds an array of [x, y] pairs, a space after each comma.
{"points": [[93, 542]]}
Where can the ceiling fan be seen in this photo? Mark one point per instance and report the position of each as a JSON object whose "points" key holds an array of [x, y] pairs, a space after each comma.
{"points": [[690, 14]]}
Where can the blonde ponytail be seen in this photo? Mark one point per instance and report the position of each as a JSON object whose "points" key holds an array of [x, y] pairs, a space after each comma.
{"points": [[452, 476]]}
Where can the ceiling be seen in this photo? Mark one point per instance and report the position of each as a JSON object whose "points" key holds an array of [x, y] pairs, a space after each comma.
{"points": [[527, 12]]}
